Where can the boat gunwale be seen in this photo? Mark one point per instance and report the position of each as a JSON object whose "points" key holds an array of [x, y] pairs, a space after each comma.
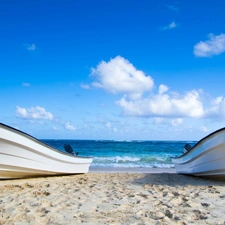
{"points": [[200, 142], [40, 142]]}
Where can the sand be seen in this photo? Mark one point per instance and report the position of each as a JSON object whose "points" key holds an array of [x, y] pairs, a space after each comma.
{"points": [[113, 198]]}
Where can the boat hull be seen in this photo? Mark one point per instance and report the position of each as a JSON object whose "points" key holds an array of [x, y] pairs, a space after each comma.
{"points": [[21, 155], [206, 158]]}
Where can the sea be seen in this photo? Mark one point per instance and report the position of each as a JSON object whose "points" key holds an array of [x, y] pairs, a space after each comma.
{"points": [[125, 154]]}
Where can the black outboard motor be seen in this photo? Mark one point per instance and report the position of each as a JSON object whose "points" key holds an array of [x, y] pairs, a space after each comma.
{"points": [[69, 149], [187, 148]]}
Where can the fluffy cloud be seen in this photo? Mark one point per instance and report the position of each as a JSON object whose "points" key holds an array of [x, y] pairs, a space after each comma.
{"points": [[30, 47], [164, 104], [173, 105], [68, 126], [217, 108], [120, 76], [177, 121], [170, 26], [33, 113], [214, 46], [167, 121], [163, 88]]}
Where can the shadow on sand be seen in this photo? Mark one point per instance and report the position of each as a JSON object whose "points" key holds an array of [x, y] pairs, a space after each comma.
{"points": [[176, 180]]}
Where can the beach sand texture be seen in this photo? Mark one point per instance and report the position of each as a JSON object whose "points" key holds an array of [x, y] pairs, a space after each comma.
{"points": [[113, 198]]}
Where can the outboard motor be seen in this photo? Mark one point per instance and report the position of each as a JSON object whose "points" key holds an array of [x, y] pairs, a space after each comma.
{"points": [[187, 148], [69, 149]]}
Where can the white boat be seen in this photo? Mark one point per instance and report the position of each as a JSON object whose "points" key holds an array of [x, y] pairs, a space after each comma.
{"points": [[205, 158], [22, 155]]}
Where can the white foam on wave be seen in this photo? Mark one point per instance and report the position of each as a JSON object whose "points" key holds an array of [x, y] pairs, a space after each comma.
{"points": [[132, 165], [163, 158], [116, 159]]}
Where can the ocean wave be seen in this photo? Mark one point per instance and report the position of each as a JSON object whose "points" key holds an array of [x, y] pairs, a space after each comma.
{"points": [[123, 153], [135, 162], [132, 165], [119, 159], [116, 159]]}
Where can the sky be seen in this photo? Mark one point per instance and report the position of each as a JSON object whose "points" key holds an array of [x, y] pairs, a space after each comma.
{"points": [[113, 70]]}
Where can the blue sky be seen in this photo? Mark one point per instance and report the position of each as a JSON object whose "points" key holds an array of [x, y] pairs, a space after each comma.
{"points": [[118, 70]]}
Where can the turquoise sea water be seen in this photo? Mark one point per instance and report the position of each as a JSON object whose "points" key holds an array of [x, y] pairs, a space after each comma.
{"points": [[125, 154]]}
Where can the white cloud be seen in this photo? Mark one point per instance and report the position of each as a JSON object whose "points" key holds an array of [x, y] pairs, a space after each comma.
{"points": [[33, 113], [165, 105], [173, 105], [217, 108], [170, 26], [214, 46], [68, 126], [166, 121], [120, 76], [31, 47], [163, 88], [177, 121]]}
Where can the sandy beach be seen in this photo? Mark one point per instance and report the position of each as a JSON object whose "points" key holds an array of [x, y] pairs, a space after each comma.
{"points": [[113, 198]]}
